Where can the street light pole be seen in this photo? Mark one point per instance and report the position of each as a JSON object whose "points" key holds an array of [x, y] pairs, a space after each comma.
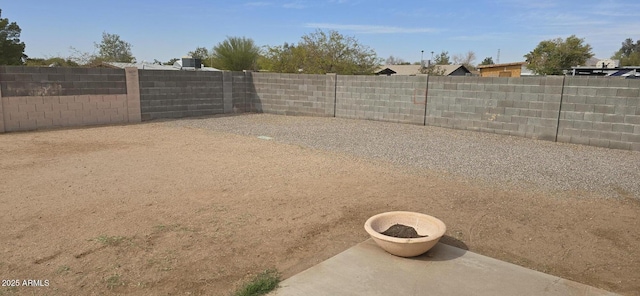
{"points": [[421, 59]]}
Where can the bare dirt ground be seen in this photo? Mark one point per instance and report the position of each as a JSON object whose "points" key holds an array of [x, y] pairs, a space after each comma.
{"points": [[154, 210]]}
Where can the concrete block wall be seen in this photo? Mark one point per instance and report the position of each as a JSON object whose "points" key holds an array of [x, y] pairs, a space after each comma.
{"points": [[242, 91], [19, 81], [2, 128], [524, 107], [175, 94], [39, 112], [292, 94], [227, 92], [384, 98], [601, 112], [23, 113], [133, 95]]}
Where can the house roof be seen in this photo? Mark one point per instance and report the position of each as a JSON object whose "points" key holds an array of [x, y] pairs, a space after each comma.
{"points": [[501, 65], [386, 71], [448, 69], [150, 66], [399, 69], [415, 69]]}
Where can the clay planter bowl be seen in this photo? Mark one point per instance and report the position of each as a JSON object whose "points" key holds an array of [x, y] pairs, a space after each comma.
{"points": [[405, 247]]}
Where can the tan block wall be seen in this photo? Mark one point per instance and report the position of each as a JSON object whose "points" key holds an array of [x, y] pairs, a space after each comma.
{"points": [[30, 113], [42, 112]]}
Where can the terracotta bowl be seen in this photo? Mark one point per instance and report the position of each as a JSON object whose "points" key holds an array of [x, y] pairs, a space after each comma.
{"points": [[405, 247]]}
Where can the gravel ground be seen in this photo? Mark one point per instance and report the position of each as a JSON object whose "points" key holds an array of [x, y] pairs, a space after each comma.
{"points": [[504, 160]]}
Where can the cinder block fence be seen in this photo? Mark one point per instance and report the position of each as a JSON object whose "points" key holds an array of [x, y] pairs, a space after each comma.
{"points": [[602, 112], [38, 98]]}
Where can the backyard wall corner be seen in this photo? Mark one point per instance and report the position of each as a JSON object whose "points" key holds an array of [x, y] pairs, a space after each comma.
{"points": [[179, 94], [227, 92], [241, 87], [134, 113]]}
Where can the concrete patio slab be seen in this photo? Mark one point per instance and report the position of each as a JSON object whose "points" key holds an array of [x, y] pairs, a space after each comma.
{"points": [[365, 269]]}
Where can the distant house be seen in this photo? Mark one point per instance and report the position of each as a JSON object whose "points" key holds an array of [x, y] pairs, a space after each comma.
{"points": [[141, 66], [406, 70], [412, 70], [607, 68], [151, 66], [454, 70], [622, 72], [505, 70]]}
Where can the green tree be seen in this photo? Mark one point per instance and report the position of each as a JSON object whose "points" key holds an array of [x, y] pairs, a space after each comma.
{"points": [[286, 58], [200, 53], [332, 52], [83, 58], [235, 54], [550, 57], [203, 54], [322, 52], [629, 53], [171, 61], [114, 49], [11, 49], [442, 58], [487, 61]]}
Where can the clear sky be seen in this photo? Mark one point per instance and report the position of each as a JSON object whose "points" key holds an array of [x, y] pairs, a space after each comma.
{"points": [[164, 29]]}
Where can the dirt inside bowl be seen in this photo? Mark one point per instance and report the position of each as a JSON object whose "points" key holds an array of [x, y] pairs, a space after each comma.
{"points": [[402, 231]]}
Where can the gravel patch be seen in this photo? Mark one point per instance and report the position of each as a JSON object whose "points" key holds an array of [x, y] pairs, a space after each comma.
{"points": [[503, 160]]}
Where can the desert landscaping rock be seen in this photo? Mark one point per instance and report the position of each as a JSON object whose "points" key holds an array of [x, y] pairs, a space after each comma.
{"points": [[504, 161]]}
